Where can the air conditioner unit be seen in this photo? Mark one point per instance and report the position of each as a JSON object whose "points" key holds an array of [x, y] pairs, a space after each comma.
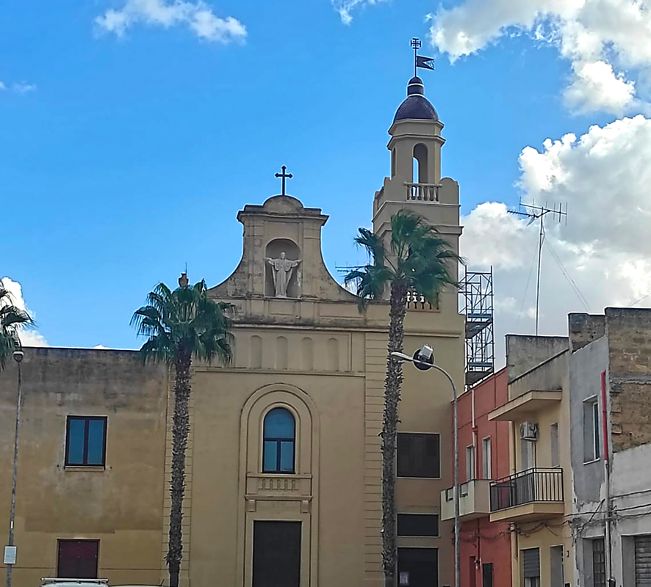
{"points": [[529, 431]]}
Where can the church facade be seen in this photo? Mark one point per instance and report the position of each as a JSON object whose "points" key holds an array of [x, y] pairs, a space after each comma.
{"points": [[284, 463]]}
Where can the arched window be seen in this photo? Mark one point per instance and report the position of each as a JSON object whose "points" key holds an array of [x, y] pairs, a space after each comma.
{"points": [[279, 432]]}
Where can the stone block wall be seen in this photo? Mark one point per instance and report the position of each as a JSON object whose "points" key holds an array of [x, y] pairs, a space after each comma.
{"points": [[629, 369], [585, 328]]}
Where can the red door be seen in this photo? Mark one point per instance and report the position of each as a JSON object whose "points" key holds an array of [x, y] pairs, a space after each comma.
{"points": [[77, 559]]}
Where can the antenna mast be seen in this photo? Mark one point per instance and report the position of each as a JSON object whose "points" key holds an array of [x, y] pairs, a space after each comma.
{"points": [[534, 212]]}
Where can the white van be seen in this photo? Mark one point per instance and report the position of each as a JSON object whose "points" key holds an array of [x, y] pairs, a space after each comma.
{"points": [[84, 583], [74, 582]]}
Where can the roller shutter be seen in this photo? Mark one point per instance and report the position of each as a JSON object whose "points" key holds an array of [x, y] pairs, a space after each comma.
{"points": [[531, 563], [643, 561]]}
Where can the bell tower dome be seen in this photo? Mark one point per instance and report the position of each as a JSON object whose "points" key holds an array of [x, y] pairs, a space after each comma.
{"points": [[416, 141]]}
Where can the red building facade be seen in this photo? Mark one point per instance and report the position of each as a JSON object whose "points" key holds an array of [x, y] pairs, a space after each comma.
{"points": [[484, 456]]}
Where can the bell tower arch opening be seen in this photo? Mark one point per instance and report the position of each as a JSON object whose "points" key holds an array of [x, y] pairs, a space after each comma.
{"points": [[420, 164]]}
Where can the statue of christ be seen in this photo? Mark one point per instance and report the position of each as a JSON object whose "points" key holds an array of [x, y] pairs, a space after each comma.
{"points": [[282, 270]]}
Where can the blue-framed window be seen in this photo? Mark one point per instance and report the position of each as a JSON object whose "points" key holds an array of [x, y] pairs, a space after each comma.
{"points": [[86, 441], [279, 432]]}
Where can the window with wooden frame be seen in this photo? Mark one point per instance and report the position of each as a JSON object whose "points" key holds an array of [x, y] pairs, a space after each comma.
{"points": [[279, 438], [85, 441]]}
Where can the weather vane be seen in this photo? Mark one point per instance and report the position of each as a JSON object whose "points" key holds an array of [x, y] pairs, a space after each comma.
{"points": [[420, 60]]}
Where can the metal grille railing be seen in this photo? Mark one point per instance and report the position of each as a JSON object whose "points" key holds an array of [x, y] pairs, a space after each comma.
{"points": [[417, 301], [532, 485]]}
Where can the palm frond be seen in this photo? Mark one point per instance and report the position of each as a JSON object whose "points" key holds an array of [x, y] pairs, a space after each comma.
{"points": [[373, 245], [184, 320], [12, 320]]}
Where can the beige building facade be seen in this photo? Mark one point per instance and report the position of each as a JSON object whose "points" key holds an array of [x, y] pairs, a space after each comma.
{"points": [[284, 463], [536, 498]]}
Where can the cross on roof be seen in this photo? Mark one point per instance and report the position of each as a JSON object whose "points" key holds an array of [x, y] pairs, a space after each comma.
{"points": [[415, 45], [283, 176]]}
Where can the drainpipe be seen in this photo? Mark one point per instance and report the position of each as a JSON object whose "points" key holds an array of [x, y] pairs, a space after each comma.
{"points": [[606, 457]]}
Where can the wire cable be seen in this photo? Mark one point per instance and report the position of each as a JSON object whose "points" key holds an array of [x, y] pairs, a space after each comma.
{"points": [[567, 276]]}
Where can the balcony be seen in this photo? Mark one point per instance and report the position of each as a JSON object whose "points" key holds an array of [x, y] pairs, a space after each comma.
{"points": [[283, 487], [534, 494], [474, 500], [425, 192], [526, 405]]}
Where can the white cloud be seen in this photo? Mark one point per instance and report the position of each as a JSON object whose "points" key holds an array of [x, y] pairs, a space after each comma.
{"points": [[606, 41], [345, 8], [604, 251], [197, 16], [23, 87], [596, 86], [17, 87], [28, 337]]}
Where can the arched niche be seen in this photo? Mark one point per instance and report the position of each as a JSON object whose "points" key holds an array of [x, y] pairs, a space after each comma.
{"points": [[332, 354], [255, 359], [274, 250], [282, 352], [421, 171], [307, 354]]}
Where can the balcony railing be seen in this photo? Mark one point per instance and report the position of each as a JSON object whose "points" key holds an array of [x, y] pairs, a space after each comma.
{"points": [[417, 301], [427, 192], [530, 486]]}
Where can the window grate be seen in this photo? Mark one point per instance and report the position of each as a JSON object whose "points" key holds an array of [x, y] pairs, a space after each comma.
{"points": [[598, 562]]}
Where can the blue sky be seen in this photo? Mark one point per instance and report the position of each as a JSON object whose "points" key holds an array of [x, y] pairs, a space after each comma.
{"points": [[124, 157]]}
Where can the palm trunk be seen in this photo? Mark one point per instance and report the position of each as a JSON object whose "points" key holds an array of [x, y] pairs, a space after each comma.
{"points": [[180, 433], [392, 384]]}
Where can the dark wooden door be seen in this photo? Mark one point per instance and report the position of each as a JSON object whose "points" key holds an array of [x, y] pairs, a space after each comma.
{"points": [[418, 567], [276, 554], [77, 559]]}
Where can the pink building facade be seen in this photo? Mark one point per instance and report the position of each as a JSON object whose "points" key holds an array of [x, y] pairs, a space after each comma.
{"points": [[484, 456]]}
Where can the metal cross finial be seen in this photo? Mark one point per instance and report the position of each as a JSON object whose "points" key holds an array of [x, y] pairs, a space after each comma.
{"points": [[415, 45], [283, 176]]}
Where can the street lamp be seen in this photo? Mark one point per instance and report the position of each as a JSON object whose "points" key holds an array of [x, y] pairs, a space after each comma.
{"points": [[10, 550], [423, 359]]}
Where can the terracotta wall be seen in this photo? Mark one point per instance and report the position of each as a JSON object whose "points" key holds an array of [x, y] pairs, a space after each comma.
{"points": [[483, 541]]}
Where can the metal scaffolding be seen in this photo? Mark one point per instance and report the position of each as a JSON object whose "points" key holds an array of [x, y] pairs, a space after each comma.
{"points": [[477, 296]]}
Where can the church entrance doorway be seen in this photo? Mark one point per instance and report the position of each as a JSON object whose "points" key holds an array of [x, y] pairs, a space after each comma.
{"points": [[276, 554]]}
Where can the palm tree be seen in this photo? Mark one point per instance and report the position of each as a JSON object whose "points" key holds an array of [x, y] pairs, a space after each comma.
{"points": [[415, 260], [182, 325], [12, 319]]}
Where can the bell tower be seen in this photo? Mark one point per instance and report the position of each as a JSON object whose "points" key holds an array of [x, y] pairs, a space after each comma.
{"points": [[416, 181]]}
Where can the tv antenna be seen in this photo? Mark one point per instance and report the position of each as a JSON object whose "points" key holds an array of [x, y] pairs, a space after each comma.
{"points": [[535, 212]]}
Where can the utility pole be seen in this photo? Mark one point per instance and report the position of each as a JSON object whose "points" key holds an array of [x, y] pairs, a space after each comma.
{"points": [[10, 550]]}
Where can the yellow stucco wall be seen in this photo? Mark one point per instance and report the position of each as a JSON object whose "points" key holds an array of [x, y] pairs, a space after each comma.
{"points": [[316, 353]]}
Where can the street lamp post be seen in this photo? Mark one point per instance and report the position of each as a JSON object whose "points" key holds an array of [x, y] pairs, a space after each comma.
{"points": [[18, 356], [423, 359]]}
